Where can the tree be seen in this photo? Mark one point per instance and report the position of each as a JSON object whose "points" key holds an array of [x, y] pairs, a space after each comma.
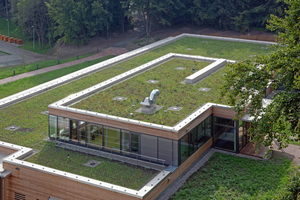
{"points": [[155, 11], [33, 13], [245, 83], [76, 21]]}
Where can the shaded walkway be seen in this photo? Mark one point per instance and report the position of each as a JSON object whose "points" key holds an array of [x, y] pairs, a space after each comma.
{"points": [[112, 51]]}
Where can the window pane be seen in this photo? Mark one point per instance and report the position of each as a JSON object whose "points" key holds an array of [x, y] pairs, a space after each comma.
{"points": [[207, 134], [82, 132], [63, 128], [191, 141], [94, 135], [201, 134], [125, 143], [223, 121], [74, 125], [53, 126], [184, 145], [225, 137], [135, 143], [175, 153], [112, 138]]}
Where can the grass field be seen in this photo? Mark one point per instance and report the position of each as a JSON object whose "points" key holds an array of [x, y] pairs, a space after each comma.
{"points": [[27, 114], [114, 172], [16, 32], [226, 177], [172, 93], [9, 71], [26, 83]]}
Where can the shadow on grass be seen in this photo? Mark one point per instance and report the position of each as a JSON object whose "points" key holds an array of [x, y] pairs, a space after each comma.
{"points": [[230, 177]]}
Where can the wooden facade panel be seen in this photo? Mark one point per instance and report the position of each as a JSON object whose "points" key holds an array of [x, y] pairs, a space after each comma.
{"points": [[224, 112], [38, 185], [184, 166], [269, 90], [7, 150], [113, 123]]}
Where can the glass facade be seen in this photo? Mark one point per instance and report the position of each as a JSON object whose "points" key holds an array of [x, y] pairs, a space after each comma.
{"points": [[225, 134], [112, 138], [63, 128], [53, 126], [194, 139], [228, 134]]}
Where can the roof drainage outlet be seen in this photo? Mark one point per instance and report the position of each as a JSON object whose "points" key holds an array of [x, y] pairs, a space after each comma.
{"points": [[12, 128], [92, 163]]}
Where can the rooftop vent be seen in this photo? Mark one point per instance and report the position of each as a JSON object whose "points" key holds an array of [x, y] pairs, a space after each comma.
{"points": [[12, 128], [174, 108], [204, 89], [92, 163], [180, 68], [152, 81], [119, 98]]}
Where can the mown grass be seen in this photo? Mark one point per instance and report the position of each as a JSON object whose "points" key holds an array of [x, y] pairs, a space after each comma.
{"points": [[27, 114], [9, 71], [226, 177], [172, 93], [126, 175], [16, 32], [26, 83]]}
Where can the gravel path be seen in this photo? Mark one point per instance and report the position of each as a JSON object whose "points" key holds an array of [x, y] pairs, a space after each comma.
{"points": [[181, 180], [112, 51]]}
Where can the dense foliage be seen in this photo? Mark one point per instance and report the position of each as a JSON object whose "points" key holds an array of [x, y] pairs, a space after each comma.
{"points": [[248, 80], [76, 21]]}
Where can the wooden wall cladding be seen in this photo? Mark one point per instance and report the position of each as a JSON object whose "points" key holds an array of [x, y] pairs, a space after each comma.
{"points": [[184, 166], [224, 112], [39, 185], [7, 150], [269, 90]]}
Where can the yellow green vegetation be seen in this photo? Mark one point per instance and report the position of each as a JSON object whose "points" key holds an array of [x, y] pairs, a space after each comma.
{"points": [[172, 93]]}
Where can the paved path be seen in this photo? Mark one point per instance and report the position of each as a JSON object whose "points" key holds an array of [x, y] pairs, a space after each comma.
{"points": [[113, 51], [292, 151], [18, 55]]}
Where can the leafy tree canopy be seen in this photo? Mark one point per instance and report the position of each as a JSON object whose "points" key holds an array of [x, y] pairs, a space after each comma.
{"points": [[246, 82]]}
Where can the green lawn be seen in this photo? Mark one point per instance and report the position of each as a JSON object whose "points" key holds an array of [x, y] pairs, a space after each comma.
{"points": [[27, 114], [16, 32], [9, 71], [26, 83], [226, 177], [172, 93], [114, 172]]}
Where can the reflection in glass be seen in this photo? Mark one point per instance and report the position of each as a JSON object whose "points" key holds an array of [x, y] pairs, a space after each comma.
{"points": [[94, 135], [73, 136], [125, 143], [81, 134], [112, 138], [201, 134], [63, 128], [225, 137], [184, 148], [135, 143], [53, 126]]}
